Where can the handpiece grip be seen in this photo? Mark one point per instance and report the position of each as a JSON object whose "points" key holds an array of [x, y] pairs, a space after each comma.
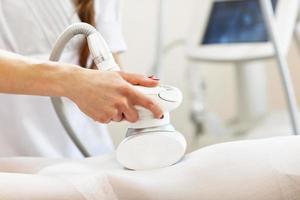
{"points": [[167, 97], [101, 54]]}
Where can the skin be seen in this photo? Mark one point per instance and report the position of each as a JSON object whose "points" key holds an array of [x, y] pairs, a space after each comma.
{"points": [[89, 89]]}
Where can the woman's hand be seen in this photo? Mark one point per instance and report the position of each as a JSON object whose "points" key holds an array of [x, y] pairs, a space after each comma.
{"points": [[110, 96], [104, 96]]}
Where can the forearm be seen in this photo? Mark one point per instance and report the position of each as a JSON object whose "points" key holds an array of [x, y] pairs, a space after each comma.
{"points": [[89, 89], [21, 75]]}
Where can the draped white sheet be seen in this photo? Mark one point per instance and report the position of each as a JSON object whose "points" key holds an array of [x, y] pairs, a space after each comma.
{"points": [[266, 169]]}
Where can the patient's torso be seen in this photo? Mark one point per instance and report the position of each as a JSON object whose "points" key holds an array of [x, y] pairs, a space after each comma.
{"points": [[259, 169]]}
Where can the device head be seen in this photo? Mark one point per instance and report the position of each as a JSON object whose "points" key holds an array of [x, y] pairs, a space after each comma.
{"points": [[153, 148], [153, 143]]}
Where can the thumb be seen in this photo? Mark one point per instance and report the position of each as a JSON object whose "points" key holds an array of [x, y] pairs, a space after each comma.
{"points": [[137, 79]]}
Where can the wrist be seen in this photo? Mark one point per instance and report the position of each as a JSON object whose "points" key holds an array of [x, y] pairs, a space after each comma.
{"points": [[71, 77], [57, 78], [69, 80]]}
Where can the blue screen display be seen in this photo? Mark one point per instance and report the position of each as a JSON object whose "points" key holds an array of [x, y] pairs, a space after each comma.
{"points": [[237, 21]]}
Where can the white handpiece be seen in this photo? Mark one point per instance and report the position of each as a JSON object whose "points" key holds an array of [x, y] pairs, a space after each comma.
{"points": [[167, 97], [153, 143], [101, 53], [150, 142]]}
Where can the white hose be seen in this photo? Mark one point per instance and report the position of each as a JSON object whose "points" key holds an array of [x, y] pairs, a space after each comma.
{"points": [[102, 58], [67, 35]]}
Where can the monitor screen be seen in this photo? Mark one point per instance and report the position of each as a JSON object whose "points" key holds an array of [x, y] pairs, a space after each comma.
{"points": [[237, 21]]}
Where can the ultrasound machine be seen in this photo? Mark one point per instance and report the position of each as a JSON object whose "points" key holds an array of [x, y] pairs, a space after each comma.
{"points": [[244, 33]]}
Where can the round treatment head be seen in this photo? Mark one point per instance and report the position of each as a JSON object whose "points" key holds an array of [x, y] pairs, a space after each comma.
{"points": [[151, 150]]}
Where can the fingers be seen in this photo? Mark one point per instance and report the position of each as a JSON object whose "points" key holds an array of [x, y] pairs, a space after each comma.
{"points": [[146, 102], [137, 79], [107, 118], [130, 113], [118, 117], [138, 98]]}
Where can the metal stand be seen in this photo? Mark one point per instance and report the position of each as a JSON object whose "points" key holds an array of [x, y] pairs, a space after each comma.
{"points": [[252, 91], [269, 17], [197, 94], [158, 61]]}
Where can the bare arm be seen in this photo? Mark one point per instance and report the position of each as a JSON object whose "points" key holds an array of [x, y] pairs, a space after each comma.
{"points": [[89, 89], [20, 75]]}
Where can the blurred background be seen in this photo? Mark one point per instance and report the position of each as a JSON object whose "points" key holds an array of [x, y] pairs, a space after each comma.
{"points": [[140, 28]]}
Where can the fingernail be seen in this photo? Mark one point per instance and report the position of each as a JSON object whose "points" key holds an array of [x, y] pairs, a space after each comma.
{"points": [[155, 79]]}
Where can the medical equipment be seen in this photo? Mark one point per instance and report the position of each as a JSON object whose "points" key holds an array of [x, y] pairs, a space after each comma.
{"points": [[243, 32], [153, 143], [149, 143], [159, 51], [297, 29]]}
